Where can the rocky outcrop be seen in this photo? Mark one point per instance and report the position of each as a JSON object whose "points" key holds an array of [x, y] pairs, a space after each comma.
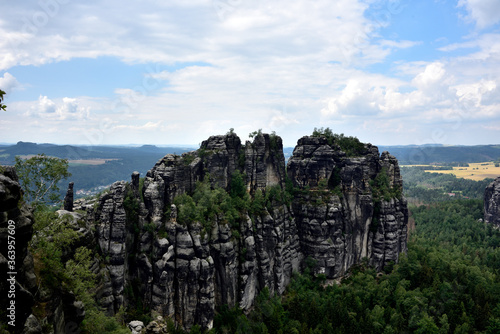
{"points": [[17, 277], [68, 199], [341, 227], [492, 203], [325, 206]]}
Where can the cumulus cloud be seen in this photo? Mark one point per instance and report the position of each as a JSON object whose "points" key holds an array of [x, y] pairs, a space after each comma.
{"points": [[46, 106], [8, 83], [430, 77], [63, 109], [484, 12], [359, 97], [430, 96]]}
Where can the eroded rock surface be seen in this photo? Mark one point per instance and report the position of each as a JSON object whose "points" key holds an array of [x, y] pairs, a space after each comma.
{"points": [[335, 214], [492, 203], [17, 274]]}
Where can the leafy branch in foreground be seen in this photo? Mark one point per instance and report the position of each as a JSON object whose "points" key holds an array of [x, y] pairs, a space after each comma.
{"points": [[39, 176], [2, 106]]}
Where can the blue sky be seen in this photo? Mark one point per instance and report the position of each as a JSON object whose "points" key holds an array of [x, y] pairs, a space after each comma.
{"points": [[176, 72]]}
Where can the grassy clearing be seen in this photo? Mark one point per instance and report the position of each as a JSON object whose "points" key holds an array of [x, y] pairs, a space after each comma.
{"points": [[476, 171]]}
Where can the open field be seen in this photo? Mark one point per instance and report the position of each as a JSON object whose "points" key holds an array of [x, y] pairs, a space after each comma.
{"points": [[475, 171], [92, 162]]}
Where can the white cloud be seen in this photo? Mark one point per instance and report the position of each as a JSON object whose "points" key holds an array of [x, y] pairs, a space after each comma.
{"points": [[63, 109], [149, 126], [8, 83], [281, 119], [168, 33], [430, 77], [484, 12], [432, 97], [45, 105], [474, 92]]}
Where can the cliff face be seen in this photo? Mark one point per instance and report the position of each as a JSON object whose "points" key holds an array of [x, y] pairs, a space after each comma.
{"points": [[492, 202], [336, 210], [17, 277]]}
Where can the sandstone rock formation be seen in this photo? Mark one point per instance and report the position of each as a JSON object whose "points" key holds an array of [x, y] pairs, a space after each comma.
{"points": [[324, 205], [68, 199], [492, 203], [16, 263]]}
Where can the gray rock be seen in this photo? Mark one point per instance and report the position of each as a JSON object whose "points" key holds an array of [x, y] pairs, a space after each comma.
{"points": [[68, 199], [32, 326], [492, 203], [15, 214], [136, 326]]}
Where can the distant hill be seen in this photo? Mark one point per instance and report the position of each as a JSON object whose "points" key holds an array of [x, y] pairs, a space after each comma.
{"points": [[94, 166], [427, 154]]}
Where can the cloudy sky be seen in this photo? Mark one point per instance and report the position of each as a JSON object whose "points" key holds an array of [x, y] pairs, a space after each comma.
{"points": [[175, 72]]}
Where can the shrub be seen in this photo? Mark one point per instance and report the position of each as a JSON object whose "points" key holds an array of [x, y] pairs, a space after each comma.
{"points": [[350, 145]]}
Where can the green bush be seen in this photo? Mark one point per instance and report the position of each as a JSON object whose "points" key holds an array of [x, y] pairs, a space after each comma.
{"points": [[350, 145], [207, 204]]}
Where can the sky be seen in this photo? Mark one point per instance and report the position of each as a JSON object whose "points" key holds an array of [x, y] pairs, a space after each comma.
{"points": [[393, 72]]}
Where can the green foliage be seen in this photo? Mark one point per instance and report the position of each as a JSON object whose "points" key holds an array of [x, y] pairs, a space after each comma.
{"points": [[136, 309], [255, 133], [39, 176], [238, 188], [203, 152], [258, 205], [350, 145], [188, 158], [273, 141], [2, 106], [53, 240], [241, 158], [141, 187], [63, 268], [275, 195], [132, 207], [381, 187], [208, 204]]}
